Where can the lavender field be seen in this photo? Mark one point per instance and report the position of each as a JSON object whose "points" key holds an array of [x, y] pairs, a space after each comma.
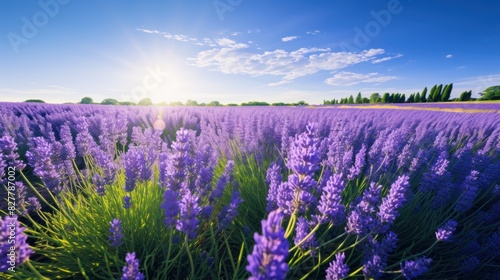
{"points": [[131, 192]]}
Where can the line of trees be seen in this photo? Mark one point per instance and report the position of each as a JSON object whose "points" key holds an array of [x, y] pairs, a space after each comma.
{"points": [[438, 93]]}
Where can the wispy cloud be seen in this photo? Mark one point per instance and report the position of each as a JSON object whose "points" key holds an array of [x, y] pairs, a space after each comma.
{"points": [[315, 32], [178, 37], [449, 56], [386, 58], [289, 38], [229, 56], [349, 78]]}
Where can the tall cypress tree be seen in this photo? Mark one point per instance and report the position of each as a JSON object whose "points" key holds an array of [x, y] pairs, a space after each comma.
{"points": [[417, 97], [439, 93], [447, 92], [359, 99], [351, 99], [432, 93], [423, 97]]}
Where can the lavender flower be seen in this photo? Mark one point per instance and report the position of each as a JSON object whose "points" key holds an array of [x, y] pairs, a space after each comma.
{"points": [[330, 205], [469, 190], [228, 213], [301, 231], [105, 162], [170, 207], [267, 260], [361, 220], [126, 202], [222, 182], [39, 156], [98, 181], [131, 270], [11, 227], [388, 210], [115, 231], [273, 180], [445, 232], [189, 211], [359, 164], [84, 141], [337, 269], [413, 269], [137, 167], [8, 151], [174, 172], [33, 204]]}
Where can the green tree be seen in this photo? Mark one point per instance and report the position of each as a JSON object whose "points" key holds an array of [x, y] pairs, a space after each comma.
{"points": [[432, 93], [359, 99], [465, 96], [386, 98], [491, 93], [34, 101], [366, 100], [190, 102], [439, 93], [127, 103], [411, 99], [374, 97], [232, 104], [86, 100], [417, 97], [423, 97], [145, 102], [214, 103], [301, 103], [447, 92], [110, 101], [351, 99]]}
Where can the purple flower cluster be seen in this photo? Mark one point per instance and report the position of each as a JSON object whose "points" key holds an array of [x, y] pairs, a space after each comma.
{"points": [[115, 233], [268, 259], [189, 211], [414, 269], [361, 220], [8, 153], [40, 158], [302, 229], [445, 232], [338, 269], [131, 270], [137, 164], [388, 210], [330, 206], [229, 212], [10, 227]]}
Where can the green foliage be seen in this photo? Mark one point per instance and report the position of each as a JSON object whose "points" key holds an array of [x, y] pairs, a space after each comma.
{"points": [[110, 101], [190, 102], [86, 100], [447, 92], [374, 97], [214, 103], [359, 99], [175, 103], [351, 100], [255, 103], [417, 97], [34, 101], [423, 96], [465, 96], [491, 93]]}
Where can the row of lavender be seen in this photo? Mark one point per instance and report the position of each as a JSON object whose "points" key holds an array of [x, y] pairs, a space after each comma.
{"points": [[353, 184]]}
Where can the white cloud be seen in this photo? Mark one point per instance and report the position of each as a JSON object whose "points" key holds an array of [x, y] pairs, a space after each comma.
{"points": [[236, 58], [289, 38], [177, 37], [349, 78], [449, 56], [315, 32], [386, 58]]}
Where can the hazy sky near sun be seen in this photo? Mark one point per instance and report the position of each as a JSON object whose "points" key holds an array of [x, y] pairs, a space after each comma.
{"points": [[244, 50]]}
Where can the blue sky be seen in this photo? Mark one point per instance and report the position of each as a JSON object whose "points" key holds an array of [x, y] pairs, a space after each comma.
{"points": [[242, 50]]}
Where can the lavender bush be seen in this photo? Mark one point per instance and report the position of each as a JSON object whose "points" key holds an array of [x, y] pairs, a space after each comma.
{"points": [[282, 193]]}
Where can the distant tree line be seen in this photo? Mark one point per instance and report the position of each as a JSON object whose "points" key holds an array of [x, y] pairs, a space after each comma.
{"points": [[438, 93]]}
